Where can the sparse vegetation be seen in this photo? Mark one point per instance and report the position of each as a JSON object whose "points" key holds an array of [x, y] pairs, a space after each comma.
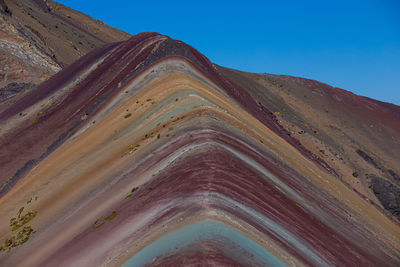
{"points": [[16, 223], [100, 222], [132, 191], [24, 234], [111, 216]]}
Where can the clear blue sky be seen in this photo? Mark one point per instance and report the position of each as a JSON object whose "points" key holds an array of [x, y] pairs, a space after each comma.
{"points": [[354, 45]]}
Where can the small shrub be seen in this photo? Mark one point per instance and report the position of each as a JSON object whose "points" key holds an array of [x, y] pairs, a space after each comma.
{"points": [[111, 216]]}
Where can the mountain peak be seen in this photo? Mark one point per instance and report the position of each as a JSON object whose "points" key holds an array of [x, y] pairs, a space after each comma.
{"points": [[144, 152]]}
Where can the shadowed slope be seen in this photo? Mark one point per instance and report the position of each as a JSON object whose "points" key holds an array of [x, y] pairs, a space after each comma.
{"points": [[147, 144]]}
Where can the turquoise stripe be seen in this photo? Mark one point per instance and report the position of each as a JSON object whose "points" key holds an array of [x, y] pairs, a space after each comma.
{"points": [[202, 231]]}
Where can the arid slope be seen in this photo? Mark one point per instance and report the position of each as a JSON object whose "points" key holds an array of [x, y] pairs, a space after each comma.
{"points": [[357, 136], [143, 152], [38, 38]]}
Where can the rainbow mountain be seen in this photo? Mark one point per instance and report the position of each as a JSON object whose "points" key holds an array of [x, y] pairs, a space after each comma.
{"points": [[144, 153]]}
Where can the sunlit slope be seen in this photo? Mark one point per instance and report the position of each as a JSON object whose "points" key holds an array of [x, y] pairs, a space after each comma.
{"points": [[358, 136], [143, 153]]}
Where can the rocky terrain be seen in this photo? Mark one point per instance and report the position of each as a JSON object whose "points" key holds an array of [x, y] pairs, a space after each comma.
{"points": [[356, 136], [144, 153], [38, 38]]}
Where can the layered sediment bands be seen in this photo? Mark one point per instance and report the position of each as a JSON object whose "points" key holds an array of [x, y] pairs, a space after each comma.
{"points": [[356, 135], [38, 38], [149, 156]]}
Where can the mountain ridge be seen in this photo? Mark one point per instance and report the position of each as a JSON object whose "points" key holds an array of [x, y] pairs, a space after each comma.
{"points": [[155, 115], [146, 142]]}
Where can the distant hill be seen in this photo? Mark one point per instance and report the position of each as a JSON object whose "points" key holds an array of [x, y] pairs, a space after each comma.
{"points": [[38, 38]]}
